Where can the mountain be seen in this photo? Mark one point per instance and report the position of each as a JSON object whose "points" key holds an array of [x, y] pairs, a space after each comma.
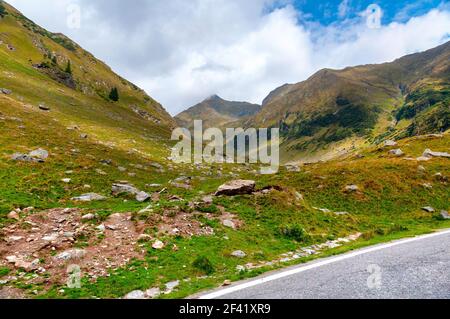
{"points": [[41, 67], [216, 112], [337, 111]]}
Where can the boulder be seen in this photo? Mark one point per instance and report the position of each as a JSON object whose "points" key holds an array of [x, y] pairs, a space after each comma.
{"points": [[135, 295], [89, 197], [44, 107], [237, 187], [428, 209], [128, 189], [444, 215], [396, 152], [229, 223], [71, 254], [5, 91], [390, 143], [238, 254], [158, 245], [142, 197], [89, 216], [429, 153], [39, 154]]}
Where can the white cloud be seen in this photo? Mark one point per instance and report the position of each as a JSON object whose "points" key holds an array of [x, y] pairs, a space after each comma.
{"points": [[183, 51]]}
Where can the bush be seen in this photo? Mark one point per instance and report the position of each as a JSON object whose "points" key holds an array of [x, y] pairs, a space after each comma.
{"points": [[295, 232], [2, 10], [68, 68], [203, 264]]}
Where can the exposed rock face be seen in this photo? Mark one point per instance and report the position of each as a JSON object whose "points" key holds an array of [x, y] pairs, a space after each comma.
{"points": [[237, 187]]}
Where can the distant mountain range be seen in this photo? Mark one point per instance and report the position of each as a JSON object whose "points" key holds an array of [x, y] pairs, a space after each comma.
{"points": [[338, 111], [216, 112]]}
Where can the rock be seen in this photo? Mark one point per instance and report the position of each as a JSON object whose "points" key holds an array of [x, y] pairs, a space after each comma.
{"points": [[299, 196], [428, 209], [66, 180], [118, 189], [71, 254], [101, 228], [83, 136], [341, 213], [226, 283], [153, 293], [421, 168], [208, 200], [444, 215], [89, 216], [51, 237], [100, 172], [153, 185], [240, 268], [44, 107], [237, 187], [238, 254], [40, 154], [144, 237], [158, 245], [352, 188], [293, 168], [106, 162], [142, 197], [14, 215], [427, 185], [121, 169], [135, 295], [390, 143], [229, 223], [5, 91], [423, 159], [89, 197], [397, 152], [429, 153], [172, 285]]}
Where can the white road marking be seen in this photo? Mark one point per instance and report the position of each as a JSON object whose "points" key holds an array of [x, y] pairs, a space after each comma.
{"points": [[328, 261]]}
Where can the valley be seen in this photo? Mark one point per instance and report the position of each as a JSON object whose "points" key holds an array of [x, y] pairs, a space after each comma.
{"points": [[86, 180]]}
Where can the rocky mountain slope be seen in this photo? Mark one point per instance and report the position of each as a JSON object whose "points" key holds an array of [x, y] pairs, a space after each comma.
{"points": [[216, 112], [337, 111]]}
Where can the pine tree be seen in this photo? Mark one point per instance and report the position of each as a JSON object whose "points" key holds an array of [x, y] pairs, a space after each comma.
{"points": [[68, 68], [55, 60], [114, 95]]}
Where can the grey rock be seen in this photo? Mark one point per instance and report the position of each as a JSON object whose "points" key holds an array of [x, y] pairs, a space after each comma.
{"points": [[428, 209], [71, 254], [142, 197], [88, 217], [135, 295], [237, 187], [44, 107], [5, 91], [153, 293], [40, 154], [172, 285], [444, 214], [397, 152], [352, 188], [118, 189], [239, 254], [429, 153], [390, 143], [89, 197], [229, 223]]}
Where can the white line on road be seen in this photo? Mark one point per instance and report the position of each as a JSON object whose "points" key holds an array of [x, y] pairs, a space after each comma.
{"points": [[328, 261]]}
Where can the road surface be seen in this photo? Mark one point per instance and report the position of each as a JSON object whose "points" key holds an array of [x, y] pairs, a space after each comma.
{"points": [[412, 268]]}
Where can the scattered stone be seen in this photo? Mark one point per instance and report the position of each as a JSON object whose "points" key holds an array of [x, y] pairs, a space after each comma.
{"points": [[390, 143], [238, 254], [84, 136], [44, 107], [121, 169], [237, 187], [428, 209], [229, 223], [144, 237], [429, 153], [423, 159], [40, 154], [118, 189], [89, 197], [142, 197], [153, 293], [14, 215], [101, 228], [421, 168], [352, 188], [208, 200], [89, 216], [427, 185], [135, 295], [5, 91], [153, 185], [66, 180], [226, 283], [444, 215], [100, 172], [158, 245], [51, 237], [71, 254], [341, 213], [397, 152], [170, 286]]}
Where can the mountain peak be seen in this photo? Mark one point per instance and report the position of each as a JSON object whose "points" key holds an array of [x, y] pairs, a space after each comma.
{"points": [[213, 97]]}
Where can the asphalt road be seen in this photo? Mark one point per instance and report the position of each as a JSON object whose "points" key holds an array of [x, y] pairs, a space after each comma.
{"points": [[411, 268]]}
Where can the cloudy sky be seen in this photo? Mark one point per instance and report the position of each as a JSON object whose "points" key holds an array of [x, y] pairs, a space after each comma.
{"points": [[182, 51]]}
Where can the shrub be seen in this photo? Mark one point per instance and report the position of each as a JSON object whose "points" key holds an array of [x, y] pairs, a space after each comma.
{"points": [[203, 264], [295, 232], [2, 10], [68, 68]]}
